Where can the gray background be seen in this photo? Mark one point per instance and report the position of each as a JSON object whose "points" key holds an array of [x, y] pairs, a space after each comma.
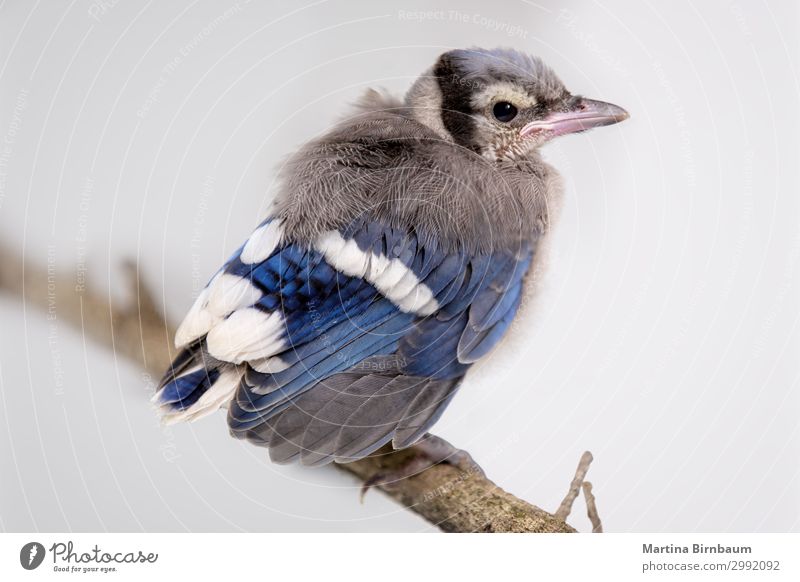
{"points": [[665, 339]]}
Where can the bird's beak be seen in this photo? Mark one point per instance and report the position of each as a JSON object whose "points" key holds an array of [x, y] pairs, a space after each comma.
{"points": [[581, 115]]}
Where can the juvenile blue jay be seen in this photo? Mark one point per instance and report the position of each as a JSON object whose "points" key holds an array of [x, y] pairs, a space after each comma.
{"points": [[395, 257]]}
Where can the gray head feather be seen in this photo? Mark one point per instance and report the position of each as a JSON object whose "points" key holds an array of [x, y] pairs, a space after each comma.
{"points": [[503, 64]]}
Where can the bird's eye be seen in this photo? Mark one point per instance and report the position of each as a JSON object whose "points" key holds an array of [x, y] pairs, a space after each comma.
{"points": [[504, 111]]}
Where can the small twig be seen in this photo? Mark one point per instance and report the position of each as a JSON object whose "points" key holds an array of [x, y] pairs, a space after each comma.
{"points": [[575, 487], [591, 508]]}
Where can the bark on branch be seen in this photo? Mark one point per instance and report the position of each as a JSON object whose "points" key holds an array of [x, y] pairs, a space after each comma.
{"points": [[453, 500]]}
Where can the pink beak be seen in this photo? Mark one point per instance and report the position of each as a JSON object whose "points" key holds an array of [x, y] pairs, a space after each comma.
{"points": [[584, 114]]}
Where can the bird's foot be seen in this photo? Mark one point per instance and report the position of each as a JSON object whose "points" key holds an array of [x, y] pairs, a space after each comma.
{"points": [[427, 452], [439, 450]]}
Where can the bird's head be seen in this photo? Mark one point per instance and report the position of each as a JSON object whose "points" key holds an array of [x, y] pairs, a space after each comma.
{"points": [[501, 103]]}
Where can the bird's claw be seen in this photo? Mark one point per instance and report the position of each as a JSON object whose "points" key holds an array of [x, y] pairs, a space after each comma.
{"points": [[439, 450], [412, 466], [429, 451]]}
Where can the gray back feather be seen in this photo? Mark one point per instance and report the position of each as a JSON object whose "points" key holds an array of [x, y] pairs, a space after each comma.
{"points": [[384, 162]]}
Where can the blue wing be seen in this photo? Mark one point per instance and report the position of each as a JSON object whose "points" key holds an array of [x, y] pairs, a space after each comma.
{"points": [[330, 350]]}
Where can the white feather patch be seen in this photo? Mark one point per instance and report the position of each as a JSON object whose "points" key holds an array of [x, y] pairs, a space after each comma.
{"points": [[271, 365], [262, 243], [420, 300], [330, 243], [406, 284], [224, 294], [248, 334], [197, 321], [391, 277], [377, 265], [351, 260], [229, 292]]}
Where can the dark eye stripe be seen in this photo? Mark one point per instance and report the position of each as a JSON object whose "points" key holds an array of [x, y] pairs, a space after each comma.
{"points": [[504, 111]]}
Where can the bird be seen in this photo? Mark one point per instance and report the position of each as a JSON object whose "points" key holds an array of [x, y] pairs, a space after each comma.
{"points": [[395, 255]]}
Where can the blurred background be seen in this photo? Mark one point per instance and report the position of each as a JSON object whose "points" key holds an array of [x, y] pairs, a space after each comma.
{"points": [[664, 339]]}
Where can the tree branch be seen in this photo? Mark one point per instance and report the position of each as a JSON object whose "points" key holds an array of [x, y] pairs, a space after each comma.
{"points": [[452, 499], [591, 508], [565, 508]]}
